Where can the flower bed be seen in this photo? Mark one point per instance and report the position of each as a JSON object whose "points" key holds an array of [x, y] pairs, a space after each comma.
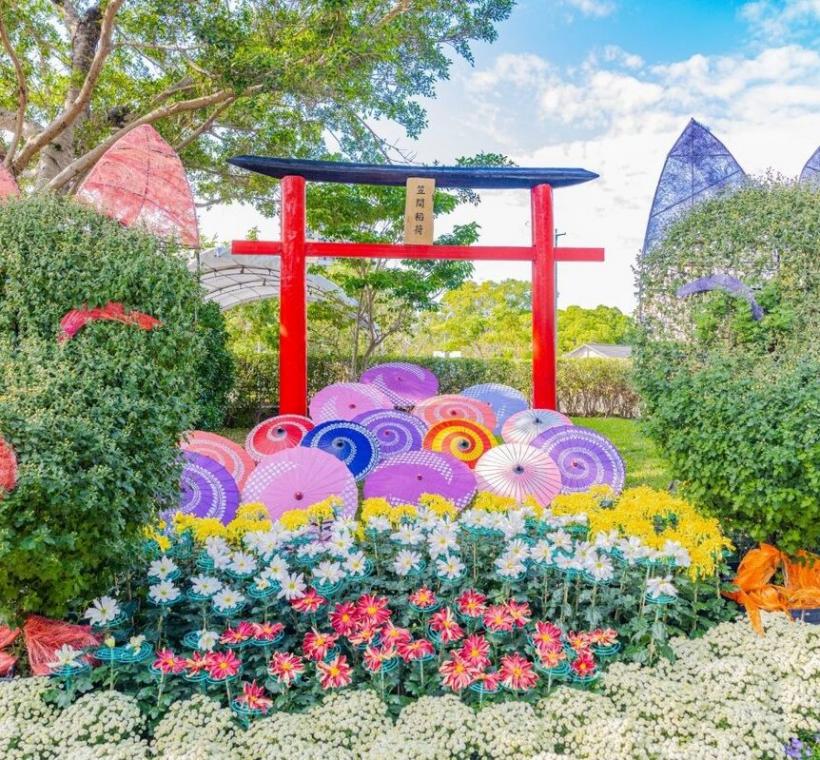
{"points": [[729, 694]]}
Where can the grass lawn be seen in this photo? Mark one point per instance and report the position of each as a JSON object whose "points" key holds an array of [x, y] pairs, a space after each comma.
{"points": [[644, 464]]}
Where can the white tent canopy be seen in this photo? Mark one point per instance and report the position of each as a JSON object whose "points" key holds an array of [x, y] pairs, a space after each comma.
{"points": [[232, 280]]}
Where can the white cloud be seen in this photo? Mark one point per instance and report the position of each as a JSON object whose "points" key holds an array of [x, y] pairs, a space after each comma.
{"points": [[596, 8], [779, 20]]}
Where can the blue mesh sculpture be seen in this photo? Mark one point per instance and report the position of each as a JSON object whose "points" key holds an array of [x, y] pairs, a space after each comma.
{"points": [[811, 171], [698, 167]]}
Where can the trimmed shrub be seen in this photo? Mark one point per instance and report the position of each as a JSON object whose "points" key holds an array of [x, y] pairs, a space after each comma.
{"points": [[94, 420], [734, 403]]}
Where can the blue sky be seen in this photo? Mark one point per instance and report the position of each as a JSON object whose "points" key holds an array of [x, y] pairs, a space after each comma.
{"points": [[609, 85]]}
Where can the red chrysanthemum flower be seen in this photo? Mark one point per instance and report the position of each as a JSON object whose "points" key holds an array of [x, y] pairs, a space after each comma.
{"points": [[584, 664], [457, 673], [309, 603], [222, 665], [517, 673], [551, 657], [285, 667], [603, 637], [520, 613], [242, 632], [316, 644], [167, 662], [254, 698], [476, 650], [415, 650], [196, 663], [375, 657], [364, 635], [472, 603], [444, 624], [546, 636], [423, 598], [267, 631], [580, 641], [373, 609], [343, 618], [394, 635], [334, 674], [497, 618], [490, 680]]}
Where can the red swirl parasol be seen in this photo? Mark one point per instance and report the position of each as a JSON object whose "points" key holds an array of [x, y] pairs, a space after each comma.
{"points": [[275, 434], [452, 406]]}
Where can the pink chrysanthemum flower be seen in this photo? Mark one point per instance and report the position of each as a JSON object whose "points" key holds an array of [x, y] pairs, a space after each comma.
{"points": [[316, 644], [334, 674], [309, 603], [415, 650], [472, 603], [476, 650], [423, 598], [444, 624], [222, 665], [457, 673], [285, 667], [497, 618], [517, 673], [254, 698], [167, 662], [343, 618], [373, 609]]}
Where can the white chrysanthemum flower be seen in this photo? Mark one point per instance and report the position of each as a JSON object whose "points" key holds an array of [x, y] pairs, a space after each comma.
{"points": [[586, 552], [293, 586], [135, 643], [379, 524], [340, 544], [450, 567], [222, 561], [216, 545], [600, 568], [561, 540], [102, 611], [66, 657], [329, 572], [164, 592], [263, 542], [542, 551], [208, 640], [607, 541], [632, 549], [406, 561], [518, 549], [408, 535], [205, 585], [227, 599], [356, 563], [660, 586], [442, 541], [678, 553], [242, 563], [162, 568], [278, 567], [509, 567], [513, 524]]}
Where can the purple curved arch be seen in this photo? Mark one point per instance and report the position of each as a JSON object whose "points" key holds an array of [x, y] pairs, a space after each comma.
{"points": [[726, 282]]}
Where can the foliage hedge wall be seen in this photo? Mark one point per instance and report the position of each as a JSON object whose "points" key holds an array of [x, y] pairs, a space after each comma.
{"points": [[585, 386], [95, 420], [734, 403]]}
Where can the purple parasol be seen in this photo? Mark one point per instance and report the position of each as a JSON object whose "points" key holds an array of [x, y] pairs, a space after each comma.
{"points": [[396, 432], [348, 441], [522, 427], [207, 489], [504, 400], [229, 454], [517, 471], [403, 478], [298, 478], [403, 383], [344, 401], [584, 457]]}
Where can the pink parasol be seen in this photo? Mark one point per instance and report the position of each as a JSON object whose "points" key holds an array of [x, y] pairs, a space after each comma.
{"points": [[346, 401], [405, 384], [8, 467], [223, 450], [522, 427], [298, 478], [8, 185], [140, 180], [517, 471], [404, 477], [277, 434], [447, 407]]}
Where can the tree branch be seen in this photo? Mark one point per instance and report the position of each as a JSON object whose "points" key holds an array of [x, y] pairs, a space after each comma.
{"points": [[205, 126], [22, 94], [90, 158], [66, 118]]}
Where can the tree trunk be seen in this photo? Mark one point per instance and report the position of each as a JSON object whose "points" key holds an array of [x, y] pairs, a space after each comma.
{"points": [[61, 151]]}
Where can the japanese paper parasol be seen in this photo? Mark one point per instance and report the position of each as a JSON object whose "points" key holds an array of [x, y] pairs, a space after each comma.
{"points": [[466, 440], [229, 454], [207, 489], [504, 400], [522, 427], [447, 407], [403, 383], [349, 442], [584, 457], [276, 434], [298, 478], [344, 401], [8, 467], [403, 478], [395, 431], [517, 471]]}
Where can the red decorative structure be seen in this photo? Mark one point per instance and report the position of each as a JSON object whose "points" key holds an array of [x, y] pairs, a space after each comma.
{"points": [[76, 319], [294, 249], [8, 470], [8, 185], [140, 181]]}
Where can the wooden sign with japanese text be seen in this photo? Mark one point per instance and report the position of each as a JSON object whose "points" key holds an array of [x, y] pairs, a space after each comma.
{"points": [[418, 211]]}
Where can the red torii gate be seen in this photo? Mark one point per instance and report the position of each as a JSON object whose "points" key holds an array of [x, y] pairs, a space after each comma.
{"points": [[294, 250]]}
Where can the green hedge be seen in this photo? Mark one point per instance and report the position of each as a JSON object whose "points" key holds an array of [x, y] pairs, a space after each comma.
{"points": [[586, 387]]}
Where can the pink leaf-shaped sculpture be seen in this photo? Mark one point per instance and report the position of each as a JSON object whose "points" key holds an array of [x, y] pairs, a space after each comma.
{"points": [[8, 185], [140, 181]]}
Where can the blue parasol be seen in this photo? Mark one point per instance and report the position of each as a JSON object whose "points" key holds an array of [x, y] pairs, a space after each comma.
{"points": [[348, 441]]}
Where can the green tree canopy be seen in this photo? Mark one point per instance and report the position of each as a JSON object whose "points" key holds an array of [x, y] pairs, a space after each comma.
{"points": [[220, 78], [603, 324]]}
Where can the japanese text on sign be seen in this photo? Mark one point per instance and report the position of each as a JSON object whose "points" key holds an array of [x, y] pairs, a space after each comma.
{"points": [[418, 211]]}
